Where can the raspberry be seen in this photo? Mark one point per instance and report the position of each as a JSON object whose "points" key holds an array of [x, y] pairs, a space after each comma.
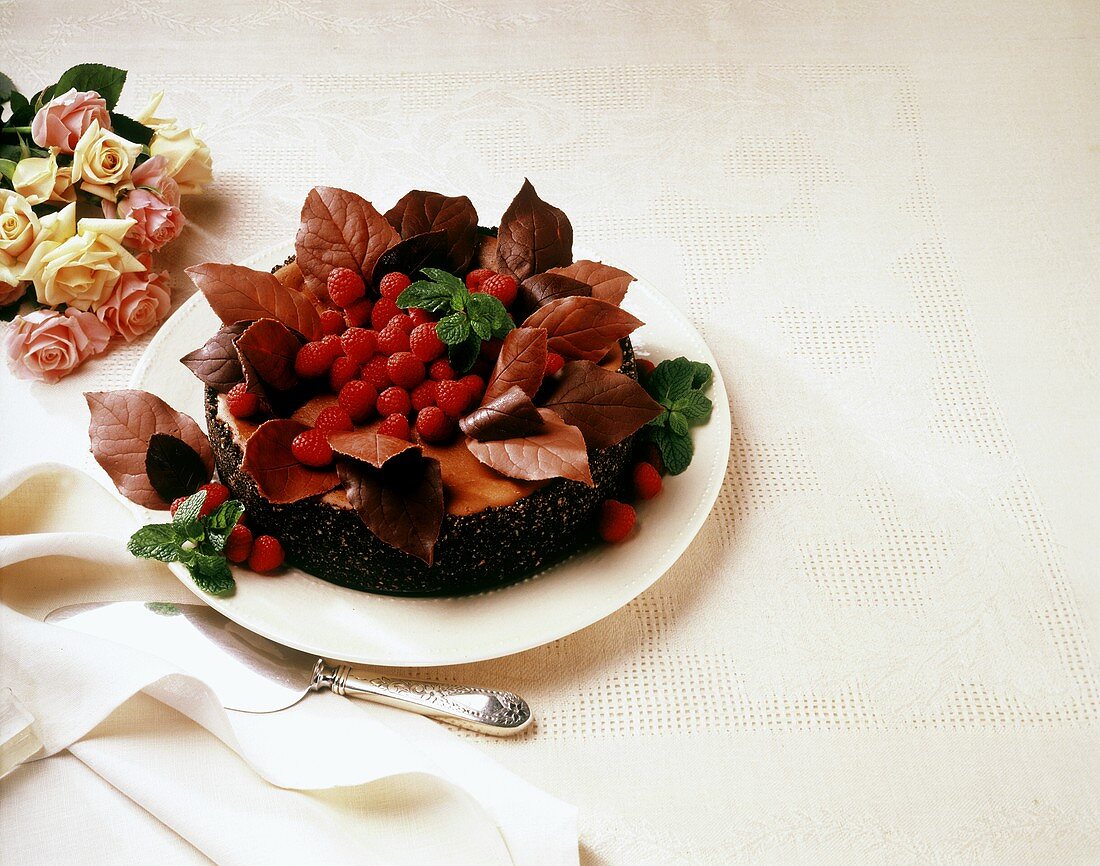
{"points": [[554, 363], [239, 543], [216, 496], [267, 554], [452, 397], [394, 401], [313, 359], [476, 277], [647, 480], [357, 399], [420, 317], [393, 284], [424, 342], [393, 339], [423, 395], [242, 403], [645, 367], [500, 286], [441, 370], [333, 345], [475, 385], [616, 521], [311, 448], [432, 425], [405, 370], [404, 322], [175, 506], [490, 349], [396, 426], [343, 371], [376, 374], [359, 313], [332, 322], [334, 419], [384, 310], [359, 344], [651, 454], [345, 287]]}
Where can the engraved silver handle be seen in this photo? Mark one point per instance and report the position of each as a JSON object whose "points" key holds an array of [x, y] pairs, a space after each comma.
{"points": [[485, 710]]}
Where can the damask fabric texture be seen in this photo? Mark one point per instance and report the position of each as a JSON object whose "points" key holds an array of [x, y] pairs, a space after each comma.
{"points": [[882, 646]]}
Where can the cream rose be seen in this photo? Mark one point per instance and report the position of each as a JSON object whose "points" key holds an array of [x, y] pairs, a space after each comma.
{"points": [[63, 189], [36, 177], [148, 117], [187, 156], [20, 229], [81, 270], [102, 161]]}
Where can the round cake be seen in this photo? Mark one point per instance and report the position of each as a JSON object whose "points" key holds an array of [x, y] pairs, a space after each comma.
{"points": [[415, 405]]}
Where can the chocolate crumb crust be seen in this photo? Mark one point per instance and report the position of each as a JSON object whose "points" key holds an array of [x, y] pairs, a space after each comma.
{"points": [[474, 553]]}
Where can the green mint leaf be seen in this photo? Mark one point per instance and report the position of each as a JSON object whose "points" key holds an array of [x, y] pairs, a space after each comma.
{"points": [[701, 374], [676, 450], [107, 81], [670, 381], [694, 407], [156, 541], [482, 328], [449, 280], [130, 129], [502, 324], [426, 296], [189, 509], [678, 424], [463, 355], [221, 523], [211, 574], [453, 329], [660, 421]]}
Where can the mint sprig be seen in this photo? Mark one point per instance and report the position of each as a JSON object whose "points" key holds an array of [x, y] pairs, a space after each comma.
{"points": [[468, 318], [195, 540], [678, 385]]}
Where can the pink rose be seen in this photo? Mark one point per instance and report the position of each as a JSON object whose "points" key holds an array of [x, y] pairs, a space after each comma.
{"points": [[137, 304], [47, 344], [61, 121], [153, 205], [153, 173], [9, 293]]}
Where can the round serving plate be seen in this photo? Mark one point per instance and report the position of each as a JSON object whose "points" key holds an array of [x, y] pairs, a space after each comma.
{"points": [[307, 613]]}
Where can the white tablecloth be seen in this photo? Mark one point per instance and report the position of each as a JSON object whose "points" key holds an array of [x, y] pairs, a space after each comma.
{"points": [[884, 218]]}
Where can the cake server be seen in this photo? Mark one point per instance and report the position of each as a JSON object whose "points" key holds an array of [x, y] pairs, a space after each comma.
{"points": [[251, 673]]}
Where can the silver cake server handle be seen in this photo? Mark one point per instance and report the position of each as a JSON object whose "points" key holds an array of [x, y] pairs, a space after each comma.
{"points": [[487, 711]]}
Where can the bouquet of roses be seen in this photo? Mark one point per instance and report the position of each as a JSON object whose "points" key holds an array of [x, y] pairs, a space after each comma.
{"points": [[87, 195]]}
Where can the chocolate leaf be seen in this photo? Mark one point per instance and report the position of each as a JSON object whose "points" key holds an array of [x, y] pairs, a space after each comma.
{"points": [[174, 468], [540, 289], [606, 407], [522, 362], [339, 229], [419, 212], [367, 446], [582, 327], [122, 425], [269, 348], [607, 283], [558, 451], [533, 236], [238, 294], [278, 475], [510, 415], [217, 364], [409, 256], [401, 503]]}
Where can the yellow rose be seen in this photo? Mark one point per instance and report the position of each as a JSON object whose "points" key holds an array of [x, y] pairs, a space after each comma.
{"points": [[148, 117], [187, 155], [36, 177], [19, 230], [102, 161], [80, 269], [63, 189]]}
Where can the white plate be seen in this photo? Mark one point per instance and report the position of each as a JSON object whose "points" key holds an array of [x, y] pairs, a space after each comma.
{"points": [[302, 611]]}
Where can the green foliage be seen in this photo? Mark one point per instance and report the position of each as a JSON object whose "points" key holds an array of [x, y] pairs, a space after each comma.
{"points": [[678, 386]]}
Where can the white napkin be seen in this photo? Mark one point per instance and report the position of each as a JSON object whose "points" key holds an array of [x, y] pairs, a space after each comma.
{"points": [[384, 785]]}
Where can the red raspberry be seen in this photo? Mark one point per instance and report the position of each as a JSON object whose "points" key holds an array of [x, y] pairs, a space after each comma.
{"points": [[432, 425], [394, 401], [332, 322], [420, 317], [239, 543], [393, 284], [376, 373], [404, 322], [334, 345], [242, 403], [424, 342], [313, 359], [475, 385], [216, 496], [175, 506], [476, 277], [651, 454], [359, 344], [616, 521], [334, 419], [490, 349], [359, 313], [396, 426], [345, 287], [423, 395], [647, 480], [311, 448], [405, 370], [384, 310], [554, 363], [452, 397], [357, 399], [645, 368], [393, 339], [343, 371], [441, 370], [267, 554], [500, 286]]}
